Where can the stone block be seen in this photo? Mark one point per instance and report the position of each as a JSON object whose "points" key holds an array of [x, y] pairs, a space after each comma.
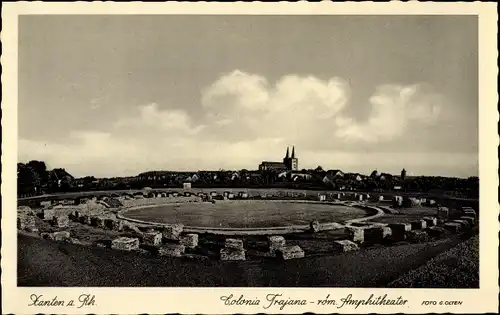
{"points": [[118, 225], [417, 236], [400, 226], [26, 223], [61, 236], [463, 223], [230, 196], [470, 213], [452, 226], [232, 254], [290, 252], [356, 234], [172, 250], [189, 240], [125, 243], [377, 234], [469, 219], [442, 212], [411, 202], [232, 243], [399, 230], [380, 198], [25, 210], [85, 219], [314, 226], [173, 232], [48, 214], [436, 231], [152, 238], [419, 225], [100, 222], [430, 221], [61, 221], [275, 243], [46, 203], [74, 215], [344, 246]]}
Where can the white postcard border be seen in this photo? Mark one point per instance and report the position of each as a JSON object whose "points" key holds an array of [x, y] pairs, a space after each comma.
{"points": [[207, 300]]}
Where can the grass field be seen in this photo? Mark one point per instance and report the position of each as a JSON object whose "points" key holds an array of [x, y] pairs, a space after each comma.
{"points": [[246, 214], [47, 263]]}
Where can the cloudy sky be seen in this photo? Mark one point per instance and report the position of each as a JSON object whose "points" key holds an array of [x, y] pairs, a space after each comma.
{"points": [[119, 95]]}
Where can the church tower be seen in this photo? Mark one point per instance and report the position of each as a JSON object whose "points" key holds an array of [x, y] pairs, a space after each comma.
{"points": [[286, 159], [294, 162], [291, 163]]}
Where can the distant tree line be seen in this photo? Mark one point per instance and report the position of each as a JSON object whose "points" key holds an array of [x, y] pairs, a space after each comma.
{"points": [[34, 179]]}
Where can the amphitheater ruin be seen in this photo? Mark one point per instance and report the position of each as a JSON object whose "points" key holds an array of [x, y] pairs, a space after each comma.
{"points": [[106, 220]]}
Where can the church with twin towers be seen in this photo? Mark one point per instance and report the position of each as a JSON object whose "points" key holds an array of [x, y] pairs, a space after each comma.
{"points": [[290, 163]]}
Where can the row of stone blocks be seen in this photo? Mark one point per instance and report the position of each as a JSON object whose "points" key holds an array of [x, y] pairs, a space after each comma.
{"points": [[175, 247], [466, 221], [278, 248], [395, 231], [234, 249], [377, 234], [154, 239]]}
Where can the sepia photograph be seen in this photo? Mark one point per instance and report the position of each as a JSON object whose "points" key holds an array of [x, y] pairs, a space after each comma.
{"points": [[248, 151]]}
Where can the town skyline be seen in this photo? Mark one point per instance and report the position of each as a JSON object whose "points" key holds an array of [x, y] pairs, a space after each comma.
{"points": [[187, 93]]}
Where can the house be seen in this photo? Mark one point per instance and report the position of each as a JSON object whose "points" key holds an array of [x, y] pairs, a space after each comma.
{"points": [[354, 176], [335, 173], [332, 175], [59, 175], [385, 176]]}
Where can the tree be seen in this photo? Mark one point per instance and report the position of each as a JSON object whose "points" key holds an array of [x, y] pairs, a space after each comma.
{"points": [[28, 180], [41, 169]]}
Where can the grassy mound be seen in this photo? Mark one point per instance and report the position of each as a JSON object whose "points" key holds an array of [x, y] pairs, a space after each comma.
{"points": [[455, 268], [47, 263]]}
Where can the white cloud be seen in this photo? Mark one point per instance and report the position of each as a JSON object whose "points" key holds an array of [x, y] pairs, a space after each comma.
{"points": [[246, 120], [152, 117], [393, 108]]}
